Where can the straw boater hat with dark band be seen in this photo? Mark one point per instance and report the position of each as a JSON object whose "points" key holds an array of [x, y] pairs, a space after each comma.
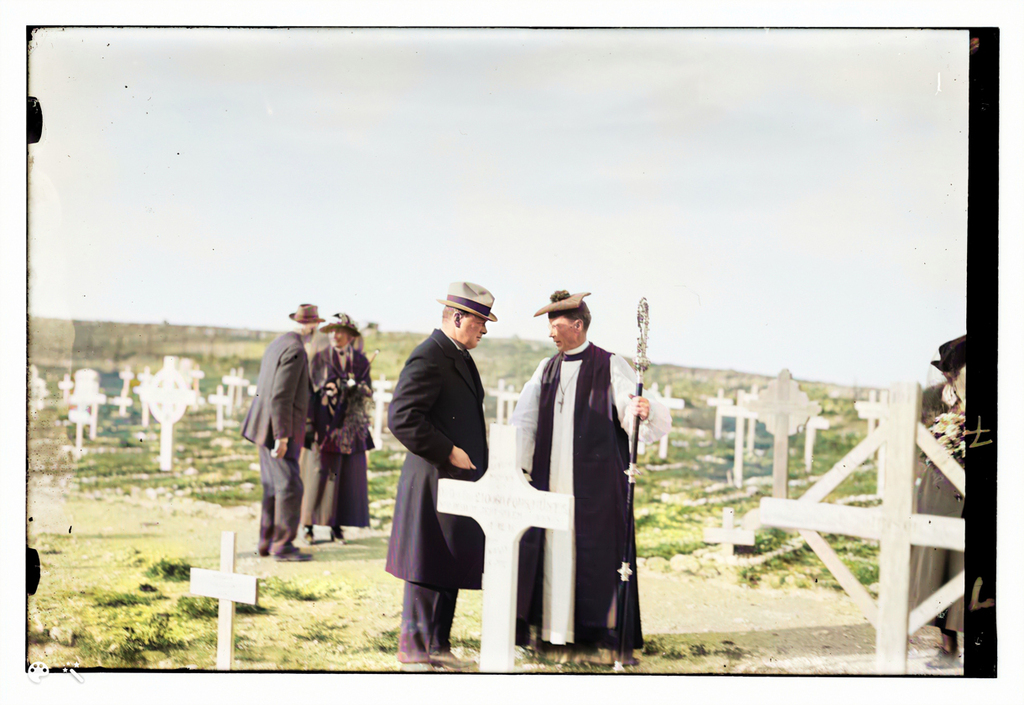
{"points": [[307, 313], [563, 301], [343, 322], [471, 298]]}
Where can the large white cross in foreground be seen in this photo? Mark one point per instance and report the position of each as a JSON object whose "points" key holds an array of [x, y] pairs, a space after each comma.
{"points": [[227, 587], [504, 505]]}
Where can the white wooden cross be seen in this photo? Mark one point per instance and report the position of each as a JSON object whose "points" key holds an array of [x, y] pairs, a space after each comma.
{"points": [[231, 381], [504, 505], [125, 399], [87, 395], [240, 388], [228, 587], [507, 398], [168, 397], [141, 389], [783, 408], [66, 386], [220, 400], [381, 396], [671, 404], [742, 415], [197, 374], [743, 399], [875, 409], [38, 390], [719, 402], [893, 524], [813, 424], [728, 535]]}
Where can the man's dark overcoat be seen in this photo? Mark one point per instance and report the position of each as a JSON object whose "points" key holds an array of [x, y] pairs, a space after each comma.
{"points": [[282, 396], [437, 403]]}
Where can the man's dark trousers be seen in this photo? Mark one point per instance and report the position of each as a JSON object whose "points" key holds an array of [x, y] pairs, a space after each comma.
{"points": [[282, 502]]}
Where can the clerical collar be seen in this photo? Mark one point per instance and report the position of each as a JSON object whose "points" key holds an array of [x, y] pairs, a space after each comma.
{"points": [[460, 346], [576, 354]]}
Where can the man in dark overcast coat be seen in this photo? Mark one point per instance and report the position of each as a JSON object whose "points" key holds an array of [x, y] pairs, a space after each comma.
{"points": [[276, 423], [437, 414]]}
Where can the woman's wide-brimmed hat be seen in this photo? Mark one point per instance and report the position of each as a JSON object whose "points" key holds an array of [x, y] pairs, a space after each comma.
{"points": [[343, 322], [563, 301], [307, 313], [471, 298], [952, 356]]}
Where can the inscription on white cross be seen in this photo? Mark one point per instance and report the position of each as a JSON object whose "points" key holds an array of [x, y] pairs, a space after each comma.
{"points": [[671, 404], [728, 535], [504, 505], [220, 400], [66, 386], [144, 377], [875, 409], [718, 403], [87, 396], [381, 396], [125, 399], [893, 524], [228, 587], [815, 423], [783, 408], [168, 397]]}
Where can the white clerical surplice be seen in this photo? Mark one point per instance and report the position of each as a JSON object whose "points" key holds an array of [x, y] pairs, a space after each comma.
{"points": [[560, 549]]}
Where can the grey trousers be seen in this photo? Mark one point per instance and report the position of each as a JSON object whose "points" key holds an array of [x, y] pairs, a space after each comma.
{"points": [[282, 502]]}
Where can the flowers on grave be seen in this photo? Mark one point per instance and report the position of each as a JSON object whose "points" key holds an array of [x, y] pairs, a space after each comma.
{"points": [[948, 430]]}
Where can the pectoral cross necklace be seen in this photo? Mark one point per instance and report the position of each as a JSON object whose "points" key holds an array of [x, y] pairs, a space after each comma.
{"points": [[562, 389]]}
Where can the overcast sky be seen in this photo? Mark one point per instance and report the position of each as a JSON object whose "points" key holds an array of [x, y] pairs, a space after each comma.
{"points": [[783, 198]]}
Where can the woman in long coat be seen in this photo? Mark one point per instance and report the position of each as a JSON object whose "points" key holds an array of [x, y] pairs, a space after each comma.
{"points": [[334, 474]]}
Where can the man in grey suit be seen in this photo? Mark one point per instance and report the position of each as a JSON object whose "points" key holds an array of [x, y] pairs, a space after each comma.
{"points": [[276, 423]]}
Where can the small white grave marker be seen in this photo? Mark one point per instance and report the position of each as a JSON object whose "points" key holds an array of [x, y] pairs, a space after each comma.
{"points": [[381, 396], [228, 587], [240, 387], [813, 424], [507, 398], [875, 409], [251, 390], [504, 505], [197, 374], [66, 386], [141, 389], [168, 397], [784, 408], [719, 402], [743, 399], [729, 535], [672, 404], [87, 396], [231, 382], [38, 389], [125, 399], [79, 417], [220, 400]]}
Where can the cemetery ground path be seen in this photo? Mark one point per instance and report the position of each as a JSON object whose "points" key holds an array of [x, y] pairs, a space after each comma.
{"points": [[693, 623]]}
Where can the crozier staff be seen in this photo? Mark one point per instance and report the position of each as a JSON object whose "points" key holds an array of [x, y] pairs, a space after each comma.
{"points": [[575, 416]]}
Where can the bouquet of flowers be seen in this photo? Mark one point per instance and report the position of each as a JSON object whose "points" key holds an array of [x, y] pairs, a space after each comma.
{"points": [[948, 430]]}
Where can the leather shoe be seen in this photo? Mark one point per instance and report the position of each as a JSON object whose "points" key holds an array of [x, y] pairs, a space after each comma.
{"points": [[448, 662]]}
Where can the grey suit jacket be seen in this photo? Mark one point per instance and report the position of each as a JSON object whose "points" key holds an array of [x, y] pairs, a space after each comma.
{"points": [[282, 396]]}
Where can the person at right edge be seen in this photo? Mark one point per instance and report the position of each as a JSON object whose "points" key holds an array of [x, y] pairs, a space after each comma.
{"points": [[942, 409], [437, 413]]}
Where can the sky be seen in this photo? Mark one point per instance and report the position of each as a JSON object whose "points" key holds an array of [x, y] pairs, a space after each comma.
{"points": [[782, 198]]}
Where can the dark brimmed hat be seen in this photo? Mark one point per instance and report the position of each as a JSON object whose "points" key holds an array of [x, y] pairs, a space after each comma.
{"points": [[343, 322], [471, 298], [952, 356], [306, 314], [563, 301]]}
